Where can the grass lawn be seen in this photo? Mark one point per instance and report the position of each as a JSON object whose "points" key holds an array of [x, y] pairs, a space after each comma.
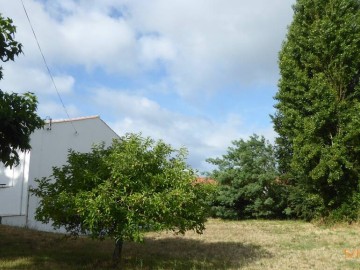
{"points": [[224, 245]]}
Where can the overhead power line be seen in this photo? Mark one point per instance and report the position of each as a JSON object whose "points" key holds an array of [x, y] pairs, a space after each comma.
{"points": [[47, 66]]}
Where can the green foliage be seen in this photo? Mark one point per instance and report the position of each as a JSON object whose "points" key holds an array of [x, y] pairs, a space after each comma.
{"points": [[122, 191], [318, 107], [304, 205], [9, 48], [248, 183], [18, 118], [347, 212]]}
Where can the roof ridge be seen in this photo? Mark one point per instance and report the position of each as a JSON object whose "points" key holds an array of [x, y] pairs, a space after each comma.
{"points": [[74, 119]]}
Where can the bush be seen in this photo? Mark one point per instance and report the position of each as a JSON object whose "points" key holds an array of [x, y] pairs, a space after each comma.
{"points": [[304, 205], [248, 182]]}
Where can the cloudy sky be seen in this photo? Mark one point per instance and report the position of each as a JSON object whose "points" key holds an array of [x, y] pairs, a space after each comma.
{"points": [[195, 73]]}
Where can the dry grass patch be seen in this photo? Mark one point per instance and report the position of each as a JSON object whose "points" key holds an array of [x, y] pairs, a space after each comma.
{"points": [[224, 245]]}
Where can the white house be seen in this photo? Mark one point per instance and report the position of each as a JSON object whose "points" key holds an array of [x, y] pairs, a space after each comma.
{"points": [[50, 147]]}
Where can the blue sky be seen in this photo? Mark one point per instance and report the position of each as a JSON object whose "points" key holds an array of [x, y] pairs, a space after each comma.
{"points": [[197, 73]]}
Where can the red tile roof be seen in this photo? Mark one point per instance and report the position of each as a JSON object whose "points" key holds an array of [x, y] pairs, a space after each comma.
{"points": [[205, 180]]}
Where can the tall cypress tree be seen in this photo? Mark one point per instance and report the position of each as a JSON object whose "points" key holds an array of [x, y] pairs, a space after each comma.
{"points": [[318, 103]]}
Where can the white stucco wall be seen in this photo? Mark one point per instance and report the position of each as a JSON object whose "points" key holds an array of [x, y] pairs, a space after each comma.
{"points": [[13, 187], [50, 148]]}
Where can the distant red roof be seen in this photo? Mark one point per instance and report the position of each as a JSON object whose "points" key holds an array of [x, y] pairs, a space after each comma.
{"points": [[205, 180]]}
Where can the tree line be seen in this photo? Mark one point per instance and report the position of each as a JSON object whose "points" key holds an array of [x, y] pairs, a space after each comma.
{"points": [[313, 170]]}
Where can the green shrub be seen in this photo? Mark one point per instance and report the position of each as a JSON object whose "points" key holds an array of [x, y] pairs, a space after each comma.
{"points": [[248, 182]]}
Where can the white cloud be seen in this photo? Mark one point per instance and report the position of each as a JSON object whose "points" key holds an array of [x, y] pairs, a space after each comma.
{"points": [[96, 40], [45, 27], [154, 49], [86, 38], [203, 137], [55, 110], [20, 78], [207, 45], [218, 43]]}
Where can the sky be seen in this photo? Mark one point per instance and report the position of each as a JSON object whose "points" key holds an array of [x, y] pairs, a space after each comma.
{"points": [[194, 73]]}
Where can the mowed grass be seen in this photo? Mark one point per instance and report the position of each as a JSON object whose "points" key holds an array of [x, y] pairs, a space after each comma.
{"points": [[224, 245]]}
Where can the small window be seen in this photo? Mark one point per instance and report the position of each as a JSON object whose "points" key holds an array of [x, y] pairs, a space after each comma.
{"points": [[6, 176]]}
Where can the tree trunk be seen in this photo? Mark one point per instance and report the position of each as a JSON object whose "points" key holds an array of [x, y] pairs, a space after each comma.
{"points": [[117, 252]]}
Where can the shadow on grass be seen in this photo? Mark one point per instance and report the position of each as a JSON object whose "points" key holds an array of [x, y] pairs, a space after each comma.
{"points": [[183, 253], [26, 249]]}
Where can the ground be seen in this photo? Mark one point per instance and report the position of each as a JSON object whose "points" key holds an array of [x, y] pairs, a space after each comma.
{"points": [[254, 244]]}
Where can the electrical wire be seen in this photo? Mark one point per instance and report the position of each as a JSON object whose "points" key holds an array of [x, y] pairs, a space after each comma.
{"points": [[47, 66]]}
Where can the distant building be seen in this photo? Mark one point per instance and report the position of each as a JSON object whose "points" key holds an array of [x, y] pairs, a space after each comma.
{"points": [[50, 147], [205, 180]]}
